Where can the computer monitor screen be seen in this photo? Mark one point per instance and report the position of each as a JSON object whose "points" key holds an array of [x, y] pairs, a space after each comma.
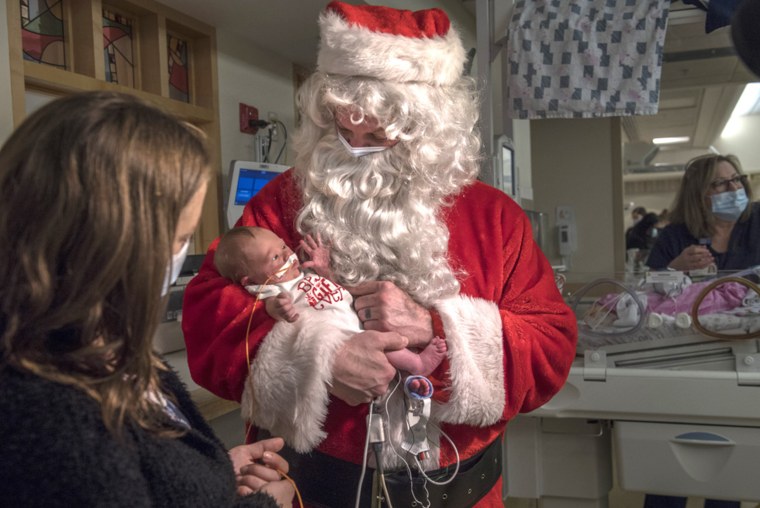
{"points": [[246, 179], [505, 166]]}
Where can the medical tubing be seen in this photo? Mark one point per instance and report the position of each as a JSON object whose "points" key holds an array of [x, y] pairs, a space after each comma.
{"points": [[642, 310], [402, 459], [249, 425], [456, 452], [378, 449], [701, 296], [364, 459]]}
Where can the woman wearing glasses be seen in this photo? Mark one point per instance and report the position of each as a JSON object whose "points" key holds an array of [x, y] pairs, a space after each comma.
{"points": [[713, 220]]}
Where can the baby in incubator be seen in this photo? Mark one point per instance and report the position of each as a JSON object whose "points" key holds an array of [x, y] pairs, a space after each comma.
{"points": [[667, 306]]}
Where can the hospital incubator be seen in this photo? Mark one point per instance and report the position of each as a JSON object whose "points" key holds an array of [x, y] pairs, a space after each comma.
{"points": [[665, 385]]}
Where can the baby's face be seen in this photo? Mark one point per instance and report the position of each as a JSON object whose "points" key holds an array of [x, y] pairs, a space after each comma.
{"points": [[268, 254]]}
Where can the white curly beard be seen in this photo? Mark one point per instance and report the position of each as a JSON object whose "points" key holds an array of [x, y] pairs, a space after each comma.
{"points": [[379, 218]]}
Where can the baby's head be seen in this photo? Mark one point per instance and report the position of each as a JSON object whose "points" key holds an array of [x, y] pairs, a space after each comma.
{"points": [[252, 255]]}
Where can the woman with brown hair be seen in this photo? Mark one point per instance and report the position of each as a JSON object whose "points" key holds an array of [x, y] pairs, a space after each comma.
{"points": [[99, 196], [713, 221]]}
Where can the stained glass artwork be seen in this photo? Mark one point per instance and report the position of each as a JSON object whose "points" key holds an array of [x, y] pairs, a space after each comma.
{"points": [[42, 34], [179, 84], [118, 48]]}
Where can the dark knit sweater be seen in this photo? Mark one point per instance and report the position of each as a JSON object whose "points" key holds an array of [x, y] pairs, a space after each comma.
{"points": [[55, 451]]}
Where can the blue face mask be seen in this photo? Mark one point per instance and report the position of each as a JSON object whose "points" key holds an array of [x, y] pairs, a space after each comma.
{"points": [[729, 205]]}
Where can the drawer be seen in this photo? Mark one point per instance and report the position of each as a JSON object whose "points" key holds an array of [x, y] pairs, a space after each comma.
{"points": [[688, 459]]}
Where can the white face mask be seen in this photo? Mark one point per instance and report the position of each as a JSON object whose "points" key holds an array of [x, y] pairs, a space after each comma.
{"points": [[360, 151], [175, 267]]}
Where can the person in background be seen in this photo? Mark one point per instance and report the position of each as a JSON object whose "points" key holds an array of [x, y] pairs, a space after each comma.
{"points": [[99, 196], [713, 220], [642, 236], [637, 214], [387, 159]]}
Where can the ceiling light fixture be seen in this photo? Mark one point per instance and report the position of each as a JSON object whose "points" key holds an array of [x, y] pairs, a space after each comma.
{"points": [[747, 103], [671, 140]]}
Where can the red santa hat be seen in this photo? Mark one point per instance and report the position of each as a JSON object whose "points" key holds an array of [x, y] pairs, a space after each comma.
{"points": [[389, 44]]}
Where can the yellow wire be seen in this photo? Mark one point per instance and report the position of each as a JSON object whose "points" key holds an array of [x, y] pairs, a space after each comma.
{"points": [[293, 483], [248, 361]]}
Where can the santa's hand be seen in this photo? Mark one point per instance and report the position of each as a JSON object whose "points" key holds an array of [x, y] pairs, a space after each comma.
{"points": [[281, 307], [361, 371], [382, 306]]}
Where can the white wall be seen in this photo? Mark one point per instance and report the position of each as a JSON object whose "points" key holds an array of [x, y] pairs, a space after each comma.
{"points": [[577, 163], [256, 77]]}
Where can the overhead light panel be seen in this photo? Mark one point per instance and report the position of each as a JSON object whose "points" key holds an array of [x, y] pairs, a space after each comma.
{"points": [[671, 140], [746, 105]]}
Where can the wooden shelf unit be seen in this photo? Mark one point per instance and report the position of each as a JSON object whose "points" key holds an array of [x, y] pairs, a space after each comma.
{"points": [[83, 25]]}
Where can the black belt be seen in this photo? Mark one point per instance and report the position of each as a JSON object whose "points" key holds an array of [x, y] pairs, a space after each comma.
{"points": [[327, 482]]}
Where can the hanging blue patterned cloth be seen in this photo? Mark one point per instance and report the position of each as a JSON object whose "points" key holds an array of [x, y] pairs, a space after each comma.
{"points": [[585, 59]]}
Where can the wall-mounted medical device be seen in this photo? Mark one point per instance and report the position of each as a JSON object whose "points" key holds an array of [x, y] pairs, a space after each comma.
{"points": [[505, 170], [567, 236], [246, 179]]}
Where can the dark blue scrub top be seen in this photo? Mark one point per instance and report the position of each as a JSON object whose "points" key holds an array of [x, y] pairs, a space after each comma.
{"points": [[743, 246]]}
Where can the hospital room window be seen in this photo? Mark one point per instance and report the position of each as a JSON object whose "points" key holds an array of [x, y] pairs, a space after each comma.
{"points": [[42, 32], [118, 48], [179, 68]]}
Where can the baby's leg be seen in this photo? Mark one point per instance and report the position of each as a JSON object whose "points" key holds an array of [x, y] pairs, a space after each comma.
{"points": [[422, 363]]}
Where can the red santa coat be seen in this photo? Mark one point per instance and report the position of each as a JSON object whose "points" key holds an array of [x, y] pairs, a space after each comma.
{"points": [[510, 336]]}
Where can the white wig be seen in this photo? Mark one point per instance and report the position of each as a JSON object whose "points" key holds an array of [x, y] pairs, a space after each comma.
{"points": [[380, 213]]}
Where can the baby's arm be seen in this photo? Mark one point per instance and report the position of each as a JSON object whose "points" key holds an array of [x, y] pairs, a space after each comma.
{"points": [[280, 307], [319, 256]]}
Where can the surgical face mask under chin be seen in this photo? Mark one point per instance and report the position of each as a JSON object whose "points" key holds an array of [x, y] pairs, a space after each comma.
{"points": [[360, 151], [729, 205], [175, 267]]}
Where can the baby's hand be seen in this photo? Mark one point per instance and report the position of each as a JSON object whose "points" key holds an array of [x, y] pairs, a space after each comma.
{"points": [[319, 256], [281, 308]]}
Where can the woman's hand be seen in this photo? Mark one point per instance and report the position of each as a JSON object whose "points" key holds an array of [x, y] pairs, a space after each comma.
{"points": [[361, 370], [257, 468], [693, 257], [382, 306]]}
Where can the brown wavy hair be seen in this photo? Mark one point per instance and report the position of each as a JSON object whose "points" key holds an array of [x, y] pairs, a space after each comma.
{"points": [[690, 206], [91, 190]]}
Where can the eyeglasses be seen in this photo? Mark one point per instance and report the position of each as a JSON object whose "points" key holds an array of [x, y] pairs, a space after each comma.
{"points": [[722, 185]]}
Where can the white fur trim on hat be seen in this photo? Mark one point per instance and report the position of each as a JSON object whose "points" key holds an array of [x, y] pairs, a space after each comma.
{"points": [[352, 50]]}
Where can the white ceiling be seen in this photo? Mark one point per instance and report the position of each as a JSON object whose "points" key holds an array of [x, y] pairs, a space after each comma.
{"points": [[701, 81], [701, 77]]}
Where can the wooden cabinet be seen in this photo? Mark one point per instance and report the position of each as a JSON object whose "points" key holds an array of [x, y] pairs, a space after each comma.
{"points": [[155, 38]]}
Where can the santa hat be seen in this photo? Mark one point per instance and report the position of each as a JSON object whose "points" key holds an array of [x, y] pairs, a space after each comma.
{"points": [[389, 44]]}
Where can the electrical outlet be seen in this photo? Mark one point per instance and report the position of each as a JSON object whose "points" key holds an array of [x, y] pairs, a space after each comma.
{"points": [[247, 114]]}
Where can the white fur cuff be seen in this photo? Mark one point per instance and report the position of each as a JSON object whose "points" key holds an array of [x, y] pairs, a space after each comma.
{"points": [[474, 336], [287, 389]]}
